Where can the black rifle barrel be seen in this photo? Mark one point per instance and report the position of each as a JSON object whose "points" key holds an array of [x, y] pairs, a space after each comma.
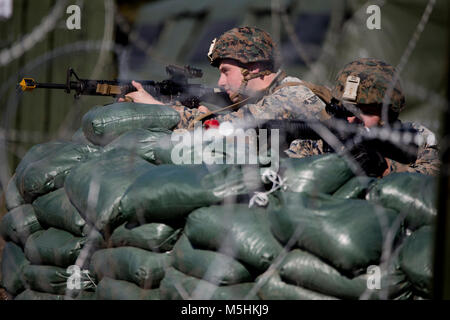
{"points": [[51, 85]]}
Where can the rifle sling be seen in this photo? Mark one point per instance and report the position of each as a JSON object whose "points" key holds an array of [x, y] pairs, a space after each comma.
{"points": [[211, 113]]}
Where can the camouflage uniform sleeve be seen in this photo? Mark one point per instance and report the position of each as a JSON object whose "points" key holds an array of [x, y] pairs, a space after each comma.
{"points": [[304, 148], [428, 161], [186, 116], [232, 116], [294, 102]]}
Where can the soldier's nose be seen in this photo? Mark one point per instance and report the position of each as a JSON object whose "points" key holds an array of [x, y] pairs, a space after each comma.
{"points": [[221, 82]]}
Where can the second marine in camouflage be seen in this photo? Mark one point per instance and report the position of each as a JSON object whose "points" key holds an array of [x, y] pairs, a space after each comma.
{"points": [[365, 84]]}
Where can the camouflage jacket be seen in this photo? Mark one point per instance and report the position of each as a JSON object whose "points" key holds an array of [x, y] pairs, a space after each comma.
{"points": [[288, 102], [427, 161]]}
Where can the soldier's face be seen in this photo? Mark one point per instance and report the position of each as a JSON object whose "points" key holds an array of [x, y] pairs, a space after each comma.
{"points": [[366, 119], [230, 77], [369, 115]]}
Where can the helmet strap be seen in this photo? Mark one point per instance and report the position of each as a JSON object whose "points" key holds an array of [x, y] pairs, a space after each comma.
{"points": [[240, 94]]}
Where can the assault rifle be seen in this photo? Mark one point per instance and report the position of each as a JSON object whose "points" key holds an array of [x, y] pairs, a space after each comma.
{"points": [[368, 146], [176, 88]]}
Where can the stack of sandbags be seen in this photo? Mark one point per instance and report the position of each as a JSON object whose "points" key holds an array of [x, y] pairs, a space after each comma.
{"points": [[147, 221], [315, 174], [140, 209], [39, 248], [223, 250], [136, 256], [45, 167], [339, 241], [102, 124], [304, 276], [13, 198], [168, 193], [355, 188], [350, 227], [141, 129], [416, 261], [58, 190], [153, 145], [412, 195], [113, 204]]}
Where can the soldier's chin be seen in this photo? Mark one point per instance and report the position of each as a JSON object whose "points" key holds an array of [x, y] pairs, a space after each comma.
{"points": [[235, 98]]}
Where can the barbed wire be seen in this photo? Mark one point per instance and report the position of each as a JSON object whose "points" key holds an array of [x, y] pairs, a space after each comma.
{"points": [[11, 105], [328, 51], [405, 57], [108, 31], [65, 128], [137, 40], [29, 40]]}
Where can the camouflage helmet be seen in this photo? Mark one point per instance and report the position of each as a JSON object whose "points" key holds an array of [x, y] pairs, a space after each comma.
{"points": [[365, 81], [244, 44]]}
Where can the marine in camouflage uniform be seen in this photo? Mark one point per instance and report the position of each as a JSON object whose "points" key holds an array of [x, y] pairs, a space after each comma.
{"points": [[284, 98], [375, 77]]}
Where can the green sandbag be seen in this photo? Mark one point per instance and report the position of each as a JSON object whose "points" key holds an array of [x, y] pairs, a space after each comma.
{"points": [[55, 280], [307, 271], [170, 192], [147, 143], [142, 267], [18, 224], [190, 147], [102, 124], [315, 174], [12, 195], [12, 263], [100, 183], [45, 167], [236, 231], [152, 236], [162, 150], [110, 289], [355, 188], [346, 233], [273, 288], [85, 295], [59, 248], [35, 295], [55, 210], [208, 265], [176, 285], [78, 137], [416, 260], [412, 194]]}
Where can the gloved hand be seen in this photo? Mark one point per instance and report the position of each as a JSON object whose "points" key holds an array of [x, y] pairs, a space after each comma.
{"points": [[372, 162]]}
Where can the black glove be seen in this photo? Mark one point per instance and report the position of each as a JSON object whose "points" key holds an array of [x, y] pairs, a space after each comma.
{"points": [[403, 153], [371, 162]]}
